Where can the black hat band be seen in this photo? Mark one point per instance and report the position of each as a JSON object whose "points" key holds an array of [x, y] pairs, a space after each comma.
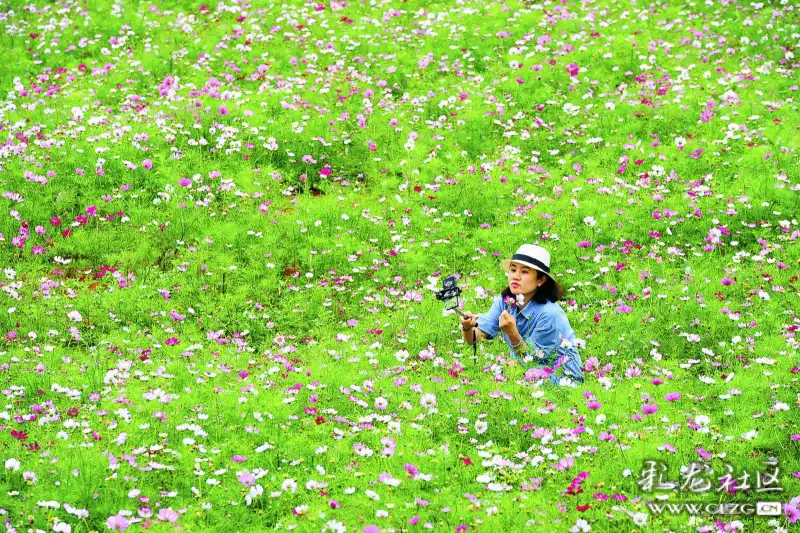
{"points": [[531, 260]]}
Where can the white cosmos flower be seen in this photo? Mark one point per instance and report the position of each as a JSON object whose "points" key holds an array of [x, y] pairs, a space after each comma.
{"points": [[255, 492], [61, 527], [481, 426], [334, 526], [12, 464], [289, 485], [485, 478], [75, 316], [571, 109], [567, 382], [428, 400], [581, 526], [702, 420], [750, 435]]}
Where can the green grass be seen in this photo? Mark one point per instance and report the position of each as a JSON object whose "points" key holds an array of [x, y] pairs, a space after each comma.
{"points": [[295, 317]]}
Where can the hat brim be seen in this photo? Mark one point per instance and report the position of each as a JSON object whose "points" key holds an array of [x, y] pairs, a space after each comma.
{"points": [[507, 263]]}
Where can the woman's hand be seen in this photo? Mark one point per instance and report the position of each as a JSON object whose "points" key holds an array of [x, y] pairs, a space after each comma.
{"points": [[507, 323], [469, 323]]}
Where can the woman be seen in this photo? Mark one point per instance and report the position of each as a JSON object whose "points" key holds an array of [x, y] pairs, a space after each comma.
{"points": [[533, 325]]}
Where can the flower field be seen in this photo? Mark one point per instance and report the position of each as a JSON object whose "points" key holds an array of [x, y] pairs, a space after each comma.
{"points": [[222, 224]]}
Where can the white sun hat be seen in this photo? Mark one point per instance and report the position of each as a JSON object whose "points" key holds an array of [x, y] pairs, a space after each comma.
{"points": [[530, 255]]}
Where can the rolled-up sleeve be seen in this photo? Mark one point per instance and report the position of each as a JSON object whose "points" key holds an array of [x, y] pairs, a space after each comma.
{"points": [[489, 322]]}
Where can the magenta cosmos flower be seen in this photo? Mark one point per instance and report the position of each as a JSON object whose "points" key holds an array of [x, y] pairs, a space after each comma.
{"points": [[649, 408]]}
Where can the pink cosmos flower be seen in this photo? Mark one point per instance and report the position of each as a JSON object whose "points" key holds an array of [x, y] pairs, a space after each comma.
{"points": [[117, 523], [168, 515], [246, 479], [792, 513], [565, 463], [792, 510]]}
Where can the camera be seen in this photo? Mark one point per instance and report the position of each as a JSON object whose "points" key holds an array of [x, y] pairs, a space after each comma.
{"points": [[449, 295]]}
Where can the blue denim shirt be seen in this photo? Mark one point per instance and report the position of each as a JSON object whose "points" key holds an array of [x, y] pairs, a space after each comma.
{"points": [[544, 328]]}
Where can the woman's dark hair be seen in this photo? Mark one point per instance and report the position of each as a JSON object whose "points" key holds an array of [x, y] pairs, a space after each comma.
{"points": [[550, 290]]}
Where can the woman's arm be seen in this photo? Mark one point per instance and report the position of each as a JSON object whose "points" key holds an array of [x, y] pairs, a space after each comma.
{"points": [[479, 335], [468, 326], [519, 345]]}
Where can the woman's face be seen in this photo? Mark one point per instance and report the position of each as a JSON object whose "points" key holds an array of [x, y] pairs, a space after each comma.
{"points": [[522, 279]]}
